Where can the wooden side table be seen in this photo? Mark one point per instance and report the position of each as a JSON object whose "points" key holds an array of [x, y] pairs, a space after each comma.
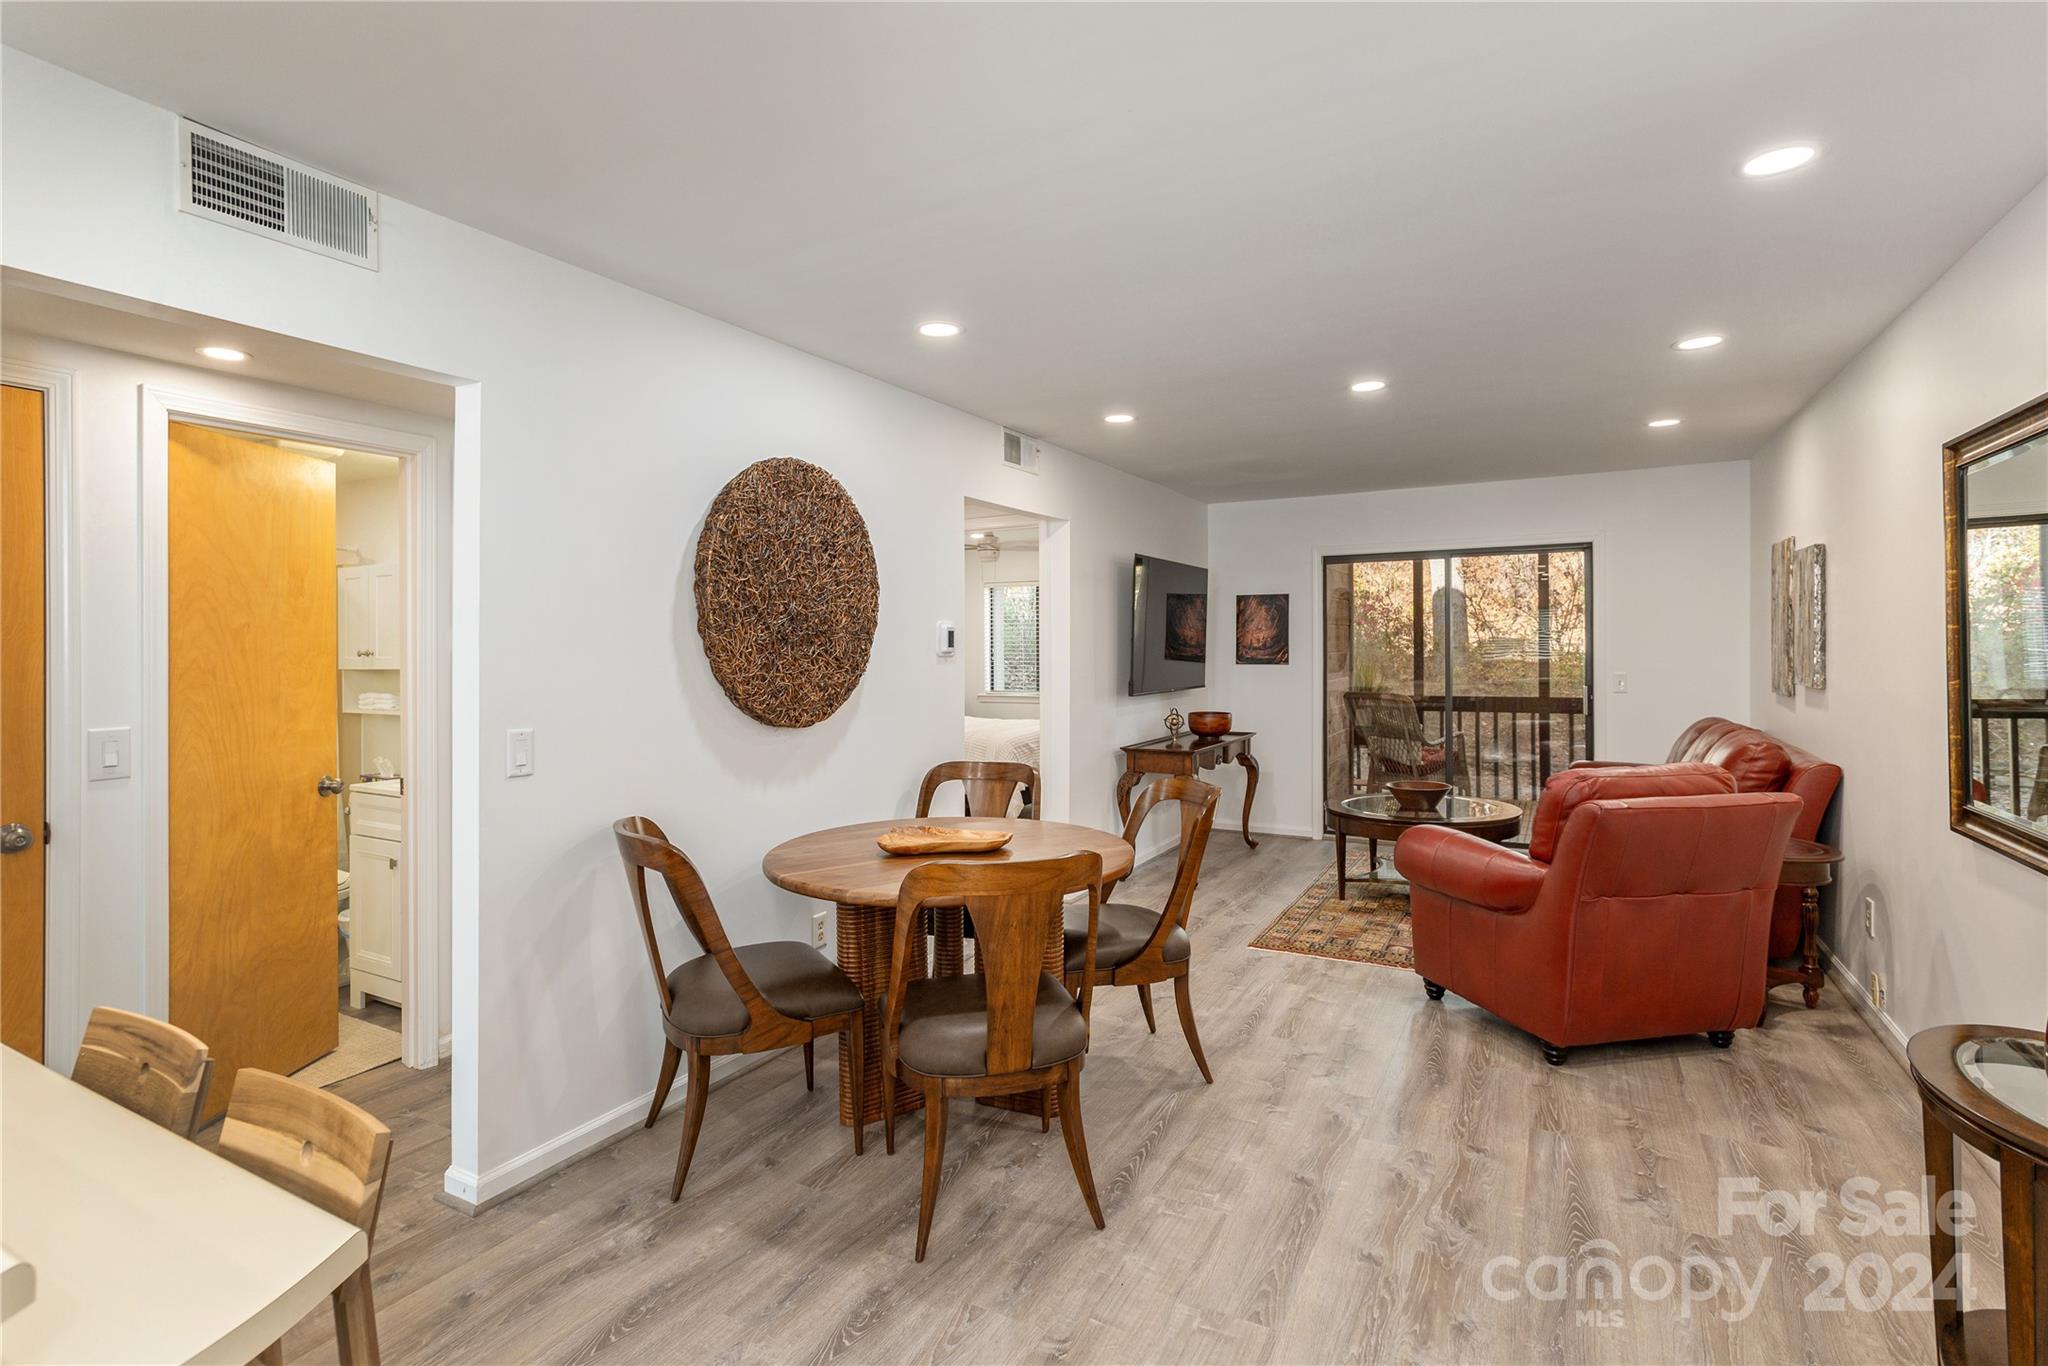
{"points": [[1809, 867], [1182, 757], [1954, 1105]]}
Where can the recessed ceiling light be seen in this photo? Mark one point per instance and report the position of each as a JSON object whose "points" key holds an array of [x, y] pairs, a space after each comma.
{"points": [[1779, 160], [222, 353], [1664, 422], [939, 329], [1118, 417], [1368, 386], [1699, 343]]}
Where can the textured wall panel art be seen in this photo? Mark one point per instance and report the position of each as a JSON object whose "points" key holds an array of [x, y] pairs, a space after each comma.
{"points": [[786, 592]]}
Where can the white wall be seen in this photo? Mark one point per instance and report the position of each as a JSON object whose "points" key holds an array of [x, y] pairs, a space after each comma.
{"points": [[1670, 604], [1013, 564], [112, 935], [369, 514], [1962, 932], [593, 427]]}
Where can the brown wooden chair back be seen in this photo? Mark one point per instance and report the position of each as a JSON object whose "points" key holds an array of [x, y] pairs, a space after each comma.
{"points": [[1196, 801], [645, 849], [1018, 927], [310, 1142], [153, 1068], [989, 786]]}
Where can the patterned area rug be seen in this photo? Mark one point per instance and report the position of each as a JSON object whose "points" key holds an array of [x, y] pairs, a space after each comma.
{"points": [[1369, 926]]}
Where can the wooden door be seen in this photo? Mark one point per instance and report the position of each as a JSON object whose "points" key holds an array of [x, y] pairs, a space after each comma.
{"points": [[254, 943], [21, 719]]}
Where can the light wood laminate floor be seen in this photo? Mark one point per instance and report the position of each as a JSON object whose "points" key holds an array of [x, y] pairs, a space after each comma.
{"points": [[1338, 1195]]}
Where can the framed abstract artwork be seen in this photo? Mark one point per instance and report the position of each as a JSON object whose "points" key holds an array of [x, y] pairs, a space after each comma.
{"points": [[1262, 628]]}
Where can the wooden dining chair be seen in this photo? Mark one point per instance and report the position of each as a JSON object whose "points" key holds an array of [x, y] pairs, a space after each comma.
{"points": [[1136, 947], [329, 1153], [750, 999], [148, 1066], [1011, 1027], [990, 787]]}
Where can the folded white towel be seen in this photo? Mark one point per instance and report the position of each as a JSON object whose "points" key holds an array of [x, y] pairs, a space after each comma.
{"points": [[377, 701]]}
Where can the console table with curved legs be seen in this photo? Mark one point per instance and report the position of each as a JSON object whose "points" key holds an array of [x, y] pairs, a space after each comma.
{"points": [[1183, 757]]}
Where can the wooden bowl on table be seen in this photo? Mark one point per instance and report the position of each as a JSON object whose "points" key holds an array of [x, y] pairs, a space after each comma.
{"points": [[1209, 723], [940, 839], [1418, 796]]}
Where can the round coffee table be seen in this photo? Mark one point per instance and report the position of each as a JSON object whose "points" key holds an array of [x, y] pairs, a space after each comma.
{"points": [[1374, 816]]}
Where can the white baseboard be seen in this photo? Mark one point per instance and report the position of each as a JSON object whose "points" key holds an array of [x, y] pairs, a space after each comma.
{"points": [[1893, 1038], [1881, 1024], [1299, 832], [473, 1194]]}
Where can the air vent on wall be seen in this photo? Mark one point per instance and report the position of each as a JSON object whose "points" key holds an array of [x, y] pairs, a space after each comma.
{"points": [[1020, 452], [240, 184]]}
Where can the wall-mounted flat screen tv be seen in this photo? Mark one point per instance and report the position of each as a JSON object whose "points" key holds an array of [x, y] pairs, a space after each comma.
{"points": [[1169, 626]]}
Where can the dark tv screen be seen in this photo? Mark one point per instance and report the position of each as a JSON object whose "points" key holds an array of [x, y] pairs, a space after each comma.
{"points": [[1169, 626]]}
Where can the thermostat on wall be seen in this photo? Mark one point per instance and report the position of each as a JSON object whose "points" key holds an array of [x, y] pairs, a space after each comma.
{"points": [[949, 638]]}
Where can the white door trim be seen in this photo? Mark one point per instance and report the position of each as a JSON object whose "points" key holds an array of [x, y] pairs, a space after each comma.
{"points": [[63, 733], [421, 686]]}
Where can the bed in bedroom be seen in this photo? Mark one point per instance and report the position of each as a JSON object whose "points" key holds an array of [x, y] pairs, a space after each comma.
{"points": [[1004, 740]]}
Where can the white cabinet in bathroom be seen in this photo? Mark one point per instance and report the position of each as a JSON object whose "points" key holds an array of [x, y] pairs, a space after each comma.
{"points": [[368, 616], [376, 909]]}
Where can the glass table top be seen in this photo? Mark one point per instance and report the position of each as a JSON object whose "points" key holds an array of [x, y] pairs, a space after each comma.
{"points": [[1452, 809], [2014, 1072]]}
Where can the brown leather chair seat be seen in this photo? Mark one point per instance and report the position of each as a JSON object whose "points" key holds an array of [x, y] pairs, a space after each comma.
{"points": [[1121, 930], [945, 1026], [791, 976]]}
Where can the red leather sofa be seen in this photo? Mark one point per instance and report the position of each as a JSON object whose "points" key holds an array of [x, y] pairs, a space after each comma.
{"points": [[1760, 762], [1641, 909]]}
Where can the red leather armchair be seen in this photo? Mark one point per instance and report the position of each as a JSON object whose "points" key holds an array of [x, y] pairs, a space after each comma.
{"points": [[1640, 911], [1761, 762]]}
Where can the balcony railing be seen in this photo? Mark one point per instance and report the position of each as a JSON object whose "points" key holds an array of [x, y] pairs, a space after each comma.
{"points": [[1512, 744], [2006, 757]]}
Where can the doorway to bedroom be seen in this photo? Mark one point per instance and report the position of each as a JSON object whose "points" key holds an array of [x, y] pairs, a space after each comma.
{"points": [[1000, 638]]}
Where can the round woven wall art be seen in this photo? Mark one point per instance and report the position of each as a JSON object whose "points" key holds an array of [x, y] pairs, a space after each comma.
{"points": [[786, 592]]}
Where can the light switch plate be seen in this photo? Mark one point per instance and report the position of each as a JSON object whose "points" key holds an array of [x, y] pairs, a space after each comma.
{"points": [[519, 752], [107, 753], [1620, 682]]}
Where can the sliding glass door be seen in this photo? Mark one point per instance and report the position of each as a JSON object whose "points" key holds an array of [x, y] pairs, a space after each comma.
{"points": [[1467, 666]]}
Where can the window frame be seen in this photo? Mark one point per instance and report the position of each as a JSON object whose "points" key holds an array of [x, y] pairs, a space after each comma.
{"points": [[989, 646]]}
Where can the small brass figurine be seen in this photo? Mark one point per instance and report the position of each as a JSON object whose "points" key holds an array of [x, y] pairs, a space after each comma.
{"points": [[1174, 724]]}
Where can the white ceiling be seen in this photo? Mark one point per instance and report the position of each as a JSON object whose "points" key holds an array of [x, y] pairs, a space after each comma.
{"points": [[1009, 525], [41, 308], [1212, 216]]}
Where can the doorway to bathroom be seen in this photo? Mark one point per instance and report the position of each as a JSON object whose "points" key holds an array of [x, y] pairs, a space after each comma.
{"points": [[285, 638]]}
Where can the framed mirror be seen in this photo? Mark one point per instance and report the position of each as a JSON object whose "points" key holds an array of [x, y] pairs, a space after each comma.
{"points": [[1995, 507]]}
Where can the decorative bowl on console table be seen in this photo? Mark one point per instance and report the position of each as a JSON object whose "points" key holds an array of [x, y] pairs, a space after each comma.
{"points": [[1417, 795], [1209, 722]]}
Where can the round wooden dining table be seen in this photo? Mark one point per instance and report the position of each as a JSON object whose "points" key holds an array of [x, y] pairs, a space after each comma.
{"points": [[847, 868]]}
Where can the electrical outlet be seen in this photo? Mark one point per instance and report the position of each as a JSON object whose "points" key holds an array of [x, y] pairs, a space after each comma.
{"points": [[818, 929], [1877, 990], [1870, 916]]}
